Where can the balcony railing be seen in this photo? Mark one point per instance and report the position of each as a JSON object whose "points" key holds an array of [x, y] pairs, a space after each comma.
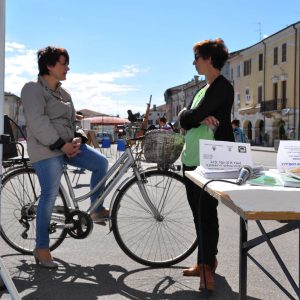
{"points": [[273, 105]]}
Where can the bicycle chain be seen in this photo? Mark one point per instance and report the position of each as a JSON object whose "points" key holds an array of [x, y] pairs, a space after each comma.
{"points": [[82, 224]]}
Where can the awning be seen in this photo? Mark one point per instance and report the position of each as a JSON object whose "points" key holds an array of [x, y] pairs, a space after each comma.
{"points": [[107, 120]]}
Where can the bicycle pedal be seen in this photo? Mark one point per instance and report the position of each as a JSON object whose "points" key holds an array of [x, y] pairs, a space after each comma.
{"points": [[100, 220]]}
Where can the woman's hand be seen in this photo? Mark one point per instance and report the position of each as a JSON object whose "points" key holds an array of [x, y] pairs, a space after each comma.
{"points": [[210, 121], [180, 113], [77, 140], [72, 149]]}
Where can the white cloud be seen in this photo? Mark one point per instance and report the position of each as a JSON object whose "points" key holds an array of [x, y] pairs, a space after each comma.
{"points": [[13, 46], [21, 64], [101, 92]]}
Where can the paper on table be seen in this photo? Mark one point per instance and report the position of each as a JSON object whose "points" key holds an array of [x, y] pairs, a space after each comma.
{"points": [[290, 181], [293, 173], [217, 174], [266, 180], [225, 174], [274, 178]]}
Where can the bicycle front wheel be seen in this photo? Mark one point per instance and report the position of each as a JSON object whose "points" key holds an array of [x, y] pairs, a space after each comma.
{"points": [[147, 240], [19, 199]]}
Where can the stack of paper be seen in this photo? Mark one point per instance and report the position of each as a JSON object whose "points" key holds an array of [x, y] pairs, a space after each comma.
{"points": [[226, 174], [267, 180], [217, 174], [274, 178], [290, 181], [291, 177]]}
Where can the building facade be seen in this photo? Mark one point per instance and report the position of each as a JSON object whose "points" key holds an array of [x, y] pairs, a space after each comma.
{"points": [[266, 81], [180, 96], [156, 112]]}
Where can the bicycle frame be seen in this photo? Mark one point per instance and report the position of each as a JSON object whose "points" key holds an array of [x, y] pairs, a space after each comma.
{"points": [[112, 177]]}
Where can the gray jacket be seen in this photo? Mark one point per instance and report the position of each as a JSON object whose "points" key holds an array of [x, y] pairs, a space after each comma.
{"points": [[49, 115]]}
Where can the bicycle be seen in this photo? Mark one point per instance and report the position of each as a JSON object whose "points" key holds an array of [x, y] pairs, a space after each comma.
{"points": [[149, 213]]}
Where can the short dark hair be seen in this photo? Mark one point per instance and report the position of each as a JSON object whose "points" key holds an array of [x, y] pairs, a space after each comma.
{"points": [[49, 56], [236, 122], [214, 49], [163, 119]]}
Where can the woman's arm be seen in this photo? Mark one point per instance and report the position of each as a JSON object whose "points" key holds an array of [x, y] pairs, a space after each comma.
{"points": [[37, 120], [216, 97]]}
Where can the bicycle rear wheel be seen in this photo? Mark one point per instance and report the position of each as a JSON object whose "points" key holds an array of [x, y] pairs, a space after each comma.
{"points": [[19, 199], [152, 242]]}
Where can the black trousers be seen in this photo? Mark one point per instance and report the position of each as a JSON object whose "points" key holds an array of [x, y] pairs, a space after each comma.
{"points": [[204, 209]]}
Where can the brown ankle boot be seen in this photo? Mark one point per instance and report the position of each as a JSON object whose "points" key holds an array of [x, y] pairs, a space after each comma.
{"points": [[192, 271], [207, 278], [195, 270], [213, 269]]}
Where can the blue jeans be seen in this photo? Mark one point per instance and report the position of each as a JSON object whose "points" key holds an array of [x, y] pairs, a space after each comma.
{"points": [[49, 173]]}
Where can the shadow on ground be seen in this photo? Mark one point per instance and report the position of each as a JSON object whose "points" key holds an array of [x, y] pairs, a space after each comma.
{"points": [[72, 281]]}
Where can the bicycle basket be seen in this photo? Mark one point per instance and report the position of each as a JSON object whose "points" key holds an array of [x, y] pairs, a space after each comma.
{"points": [[162, 146]]}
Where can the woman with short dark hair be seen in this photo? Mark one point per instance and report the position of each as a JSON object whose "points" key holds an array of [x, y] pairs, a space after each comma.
{"points": [[52, 141], [207, 117]]}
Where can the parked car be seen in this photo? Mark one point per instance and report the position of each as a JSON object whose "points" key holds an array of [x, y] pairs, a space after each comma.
{"points": [[101, 135]]}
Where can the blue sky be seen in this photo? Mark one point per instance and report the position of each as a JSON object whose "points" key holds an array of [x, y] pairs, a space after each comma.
{"points": [[123, 51]]}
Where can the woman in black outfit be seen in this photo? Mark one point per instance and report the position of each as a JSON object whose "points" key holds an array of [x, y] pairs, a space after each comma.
{"points": [[207, 117]]}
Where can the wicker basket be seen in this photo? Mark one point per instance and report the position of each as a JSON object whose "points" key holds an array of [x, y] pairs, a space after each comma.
{"points": [[162, 146]]}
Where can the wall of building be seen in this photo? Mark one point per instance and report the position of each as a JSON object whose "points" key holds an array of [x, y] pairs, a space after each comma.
{"points": [[259, 108], [180, 96], [156, 112]]}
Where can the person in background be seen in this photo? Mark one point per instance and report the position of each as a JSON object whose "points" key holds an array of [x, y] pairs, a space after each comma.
{"points": [[162, 123], [238, 133], [207, 117], [281, 130], [52, 141]]}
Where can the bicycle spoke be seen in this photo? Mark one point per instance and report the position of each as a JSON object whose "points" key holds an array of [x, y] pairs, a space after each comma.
{"points": [[150, 241], [20, 188]]}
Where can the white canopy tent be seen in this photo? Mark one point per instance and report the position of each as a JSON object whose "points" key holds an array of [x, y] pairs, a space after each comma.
{"points": [[4, 274]]}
